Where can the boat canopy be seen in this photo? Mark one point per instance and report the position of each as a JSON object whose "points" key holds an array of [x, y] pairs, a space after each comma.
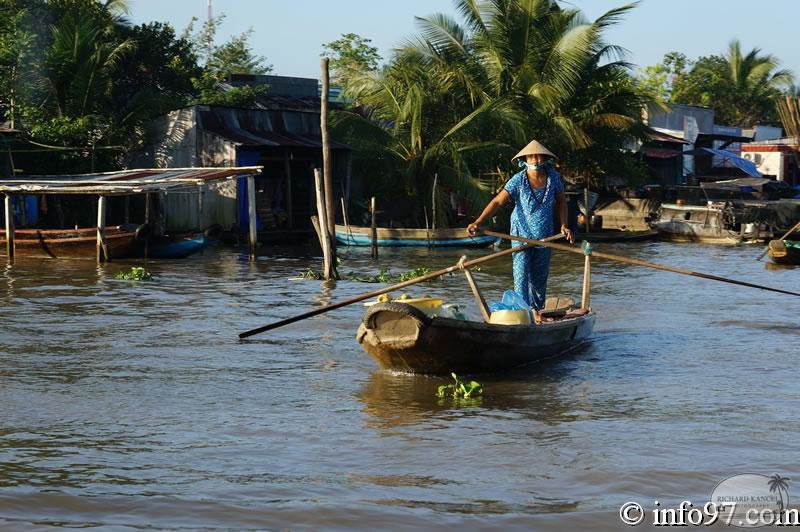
{"points": [[746, 166], [122, 182]]}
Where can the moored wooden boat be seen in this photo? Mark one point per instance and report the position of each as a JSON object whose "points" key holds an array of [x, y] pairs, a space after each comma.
{"points": [[617, 235], [403, 338], [352, 235], [710, 224], [784, 251], [80, 243]]}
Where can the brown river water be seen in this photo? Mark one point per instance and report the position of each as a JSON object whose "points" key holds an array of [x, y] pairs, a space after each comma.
{"points": [[134, 406]]}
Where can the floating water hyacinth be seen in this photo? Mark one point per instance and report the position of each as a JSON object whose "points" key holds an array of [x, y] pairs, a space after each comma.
{"points": [[460, 388], [136, 273]]}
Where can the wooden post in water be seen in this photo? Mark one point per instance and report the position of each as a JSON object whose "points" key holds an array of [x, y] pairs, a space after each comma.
{"points": [[251, 216], [427, 225], [328, 268], [147, 222], [102, 248], [9, 208], [327, 166], [587, 275], [373, 229]]}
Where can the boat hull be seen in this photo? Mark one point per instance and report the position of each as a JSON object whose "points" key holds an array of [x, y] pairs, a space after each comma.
{"points": [[452, 237], [401, 338], [611, 235], [71, 243], [177, 247], [784, 251], [693, 223]]}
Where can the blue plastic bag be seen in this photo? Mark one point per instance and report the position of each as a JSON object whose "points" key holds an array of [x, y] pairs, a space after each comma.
{"points": [[511, 301]]}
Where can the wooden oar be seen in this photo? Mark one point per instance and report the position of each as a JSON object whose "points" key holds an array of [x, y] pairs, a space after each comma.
{"points": [[397, 286], [476, 292], [638, 262], [789, 232]]}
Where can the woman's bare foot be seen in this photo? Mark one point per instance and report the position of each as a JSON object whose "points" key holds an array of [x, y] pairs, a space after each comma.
{"points": [[537, 317]]}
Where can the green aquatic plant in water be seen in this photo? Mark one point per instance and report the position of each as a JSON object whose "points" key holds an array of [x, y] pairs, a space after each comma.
{"points": [[385, 276], [310, 274], [136, 273], [460, 389]]}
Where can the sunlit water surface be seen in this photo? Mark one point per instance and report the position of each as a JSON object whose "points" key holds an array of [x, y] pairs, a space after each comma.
{"points": [[133, 405]]}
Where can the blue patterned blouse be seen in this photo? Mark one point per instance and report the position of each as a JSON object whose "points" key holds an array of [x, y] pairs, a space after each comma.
{"points": [[533, 212]]}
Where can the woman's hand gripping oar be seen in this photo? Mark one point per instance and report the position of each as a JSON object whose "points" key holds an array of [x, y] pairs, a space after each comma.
{"points": [[397, 286], [637, 262]]}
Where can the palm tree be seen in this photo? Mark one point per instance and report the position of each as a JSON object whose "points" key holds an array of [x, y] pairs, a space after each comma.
{"points": [[82, 56], [780, 485], [753, 83], [465, 95]]}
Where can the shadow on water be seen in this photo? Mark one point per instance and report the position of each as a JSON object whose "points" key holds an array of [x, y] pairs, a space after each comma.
{"points": [[541, 392]]}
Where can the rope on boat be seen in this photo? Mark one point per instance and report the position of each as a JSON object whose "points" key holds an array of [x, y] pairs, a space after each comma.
{"points": [[398, 308]]}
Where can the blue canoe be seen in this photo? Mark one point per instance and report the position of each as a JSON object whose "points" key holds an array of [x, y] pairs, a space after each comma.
{"points": [[352, 235], [175, 247]]}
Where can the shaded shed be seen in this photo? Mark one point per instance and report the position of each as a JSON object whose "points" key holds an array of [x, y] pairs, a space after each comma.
{"points": [[283, 136]]}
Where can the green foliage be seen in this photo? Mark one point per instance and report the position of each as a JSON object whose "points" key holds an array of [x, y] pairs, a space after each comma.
{"points": [[211, 92], [136, 273], [461, 98], [350, 55], [741, 88], [460, 389]]}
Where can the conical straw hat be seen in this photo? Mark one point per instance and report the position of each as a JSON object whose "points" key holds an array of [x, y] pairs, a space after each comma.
{"points": [[533, 148]]}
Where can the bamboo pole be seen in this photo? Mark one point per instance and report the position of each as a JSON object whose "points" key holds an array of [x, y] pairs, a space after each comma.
{"points": [[252, 236], [427, 225], [398, 286], [9, 208], [637, 262], [433, 203], [328, 266], [373, 229], [344, 219], [327, 165]]}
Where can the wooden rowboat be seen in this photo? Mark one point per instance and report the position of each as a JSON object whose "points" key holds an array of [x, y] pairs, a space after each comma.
{"points": [[80, 243], [352, 235], [401, 337], [784, 251]]}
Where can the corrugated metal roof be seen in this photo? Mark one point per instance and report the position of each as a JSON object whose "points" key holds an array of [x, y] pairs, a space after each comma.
{"points": [[122, 182], [262, 127]]}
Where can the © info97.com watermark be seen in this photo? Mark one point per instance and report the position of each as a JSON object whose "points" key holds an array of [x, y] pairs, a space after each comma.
{"points": [[746, 501]]}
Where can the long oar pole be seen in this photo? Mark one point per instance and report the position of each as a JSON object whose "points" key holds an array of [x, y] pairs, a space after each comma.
{"points": [[637, 262], [362, 297], [789, 232]]}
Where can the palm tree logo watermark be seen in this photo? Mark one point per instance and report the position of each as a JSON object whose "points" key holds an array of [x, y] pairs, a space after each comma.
{"points": [[780, 486]]}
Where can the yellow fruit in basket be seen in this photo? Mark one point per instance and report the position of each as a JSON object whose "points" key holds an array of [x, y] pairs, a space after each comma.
{"points": [[405, 296], [383, 298]]}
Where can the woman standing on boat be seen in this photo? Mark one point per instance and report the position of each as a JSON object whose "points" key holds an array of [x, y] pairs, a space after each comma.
{"points": [[536, 190]]}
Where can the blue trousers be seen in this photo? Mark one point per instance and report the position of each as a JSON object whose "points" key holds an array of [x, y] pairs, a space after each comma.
{"points": [[531, 268]]}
